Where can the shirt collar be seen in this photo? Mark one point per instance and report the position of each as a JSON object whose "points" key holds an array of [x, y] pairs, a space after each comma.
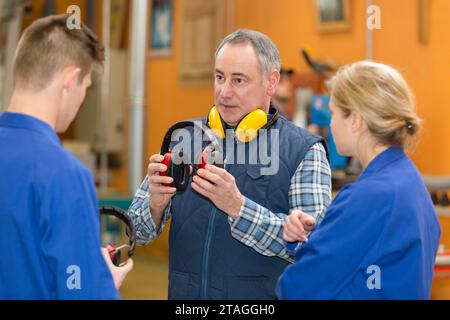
{"points": [[23, 121], [388, 156]]}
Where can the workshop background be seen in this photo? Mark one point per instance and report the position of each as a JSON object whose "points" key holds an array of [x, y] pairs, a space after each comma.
{"points": [[181, 37]]}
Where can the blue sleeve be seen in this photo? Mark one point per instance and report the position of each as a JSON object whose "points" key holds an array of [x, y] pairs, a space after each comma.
{"points": [[71, 241], [338, 247]]}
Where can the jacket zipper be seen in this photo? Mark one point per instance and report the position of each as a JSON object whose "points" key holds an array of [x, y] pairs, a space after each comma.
{"points": [[205, 267]]}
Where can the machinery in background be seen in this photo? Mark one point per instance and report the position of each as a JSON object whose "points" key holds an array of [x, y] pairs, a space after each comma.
{"points": [[439, 188], [12, 13], [284, 92], [344, 169], [313, 113], [320, 124], [325, 70]]}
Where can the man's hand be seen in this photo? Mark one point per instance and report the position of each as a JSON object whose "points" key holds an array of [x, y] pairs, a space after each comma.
{"points": [[219, 186], [160, 194], [118, 273], [297, 226]]}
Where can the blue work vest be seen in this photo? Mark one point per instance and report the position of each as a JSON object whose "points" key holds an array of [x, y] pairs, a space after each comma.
{"points": [[205, 261]]}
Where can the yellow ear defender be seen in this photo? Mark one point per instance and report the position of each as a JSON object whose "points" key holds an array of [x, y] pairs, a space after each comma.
{"points": [[215, 123], [247, 129]]}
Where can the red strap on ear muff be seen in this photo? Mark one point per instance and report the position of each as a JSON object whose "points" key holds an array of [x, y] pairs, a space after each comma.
{"points": [[204, 156], [114, 254], [167, 162], [207, 157]]}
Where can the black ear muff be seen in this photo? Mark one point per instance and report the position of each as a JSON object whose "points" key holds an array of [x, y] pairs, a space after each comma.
{"points": [[180, 175], [181, 172], [126, 250]]}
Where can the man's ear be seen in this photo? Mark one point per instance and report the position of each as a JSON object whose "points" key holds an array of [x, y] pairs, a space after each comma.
{"points": [[71, 77], [274, 79]]}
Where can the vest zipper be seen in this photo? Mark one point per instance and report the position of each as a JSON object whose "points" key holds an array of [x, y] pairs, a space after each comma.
{"points": [[205, 267]]}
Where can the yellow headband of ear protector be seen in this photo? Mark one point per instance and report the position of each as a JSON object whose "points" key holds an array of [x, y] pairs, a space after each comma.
{"points": [[246, 130]]}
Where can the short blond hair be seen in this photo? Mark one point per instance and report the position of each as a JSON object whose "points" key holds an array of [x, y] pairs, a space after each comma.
{"points": [[381, 95], [48, 46]]}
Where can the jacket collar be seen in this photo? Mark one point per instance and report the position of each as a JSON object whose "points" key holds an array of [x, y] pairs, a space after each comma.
{"points": [[385, 158], [23, 121]]}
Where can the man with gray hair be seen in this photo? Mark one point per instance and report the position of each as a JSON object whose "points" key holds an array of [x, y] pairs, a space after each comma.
{"points": [[226, 237]]}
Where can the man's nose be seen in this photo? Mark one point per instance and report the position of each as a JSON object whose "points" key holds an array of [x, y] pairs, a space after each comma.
{"points": [[225, 90]]}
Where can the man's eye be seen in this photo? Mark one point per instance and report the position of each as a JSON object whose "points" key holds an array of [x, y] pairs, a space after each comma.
{"points": [[219, 77], [239, 81]]}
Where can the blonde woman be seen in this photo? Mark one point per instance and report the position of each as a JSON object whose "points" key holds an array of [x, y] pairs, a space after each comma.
{"points": [[380, 236]]}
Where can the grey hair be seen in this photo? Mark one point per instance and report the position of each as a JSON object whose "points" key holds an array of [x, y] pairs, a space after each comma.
{"points": [[267, 52]]}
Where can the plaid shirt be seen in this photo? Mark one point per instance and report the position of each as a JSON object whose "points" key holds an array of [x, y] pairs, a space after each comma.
{"points": [[256, 226]]}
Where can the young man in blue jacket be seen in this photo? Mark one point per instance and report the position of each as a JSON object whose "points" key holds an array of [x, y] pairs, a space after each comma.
{"points": [[50, 233]]}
